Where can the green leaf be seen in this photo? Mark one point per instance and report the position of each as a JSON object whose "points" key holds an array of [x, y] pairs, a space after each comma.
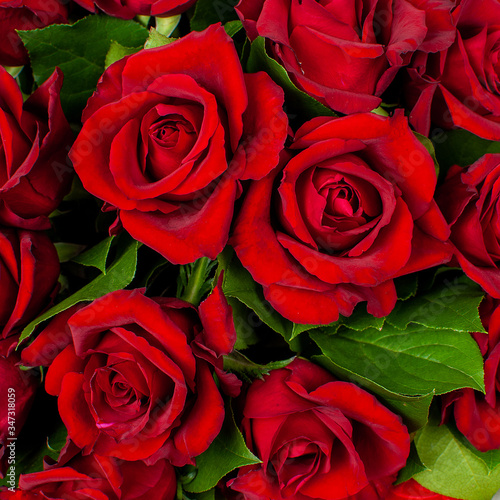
{"points": [[80, 51], [96, 256], [209, 12], [67, 251], [413, 362], [238, 283], [227, 453], [156, 39], [459, 147], [117, 51], [413, 466], [413, 409], [30, 458], [195, 280], [298, 101], [450, 305], [120, 274], [233, 27], [237, 362], [406, 286], [454, 469], [245, 321], [427, 143], [359, 320]]}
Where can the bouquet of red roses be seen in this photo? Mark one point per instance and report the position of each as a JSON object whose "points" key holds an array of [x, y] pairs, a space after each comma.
{"points": [[249, 250]]}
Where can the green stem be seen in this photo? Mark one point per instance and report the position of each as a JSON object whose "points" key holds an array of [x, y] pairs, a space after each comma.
{"points": [[192, 293], [167, 25]]}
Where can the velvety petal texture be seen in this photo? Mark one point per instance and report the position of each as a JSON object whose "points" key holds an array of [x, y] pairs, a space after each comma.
{"points": [[351, 208], [470, 199], [169, 134], [477, 415], [366, 41], [29, 270], [411, 490], [81, 477], [458, 86], [134, 375], [318, 438], [130, 8], [25, 15], [35, 138]]}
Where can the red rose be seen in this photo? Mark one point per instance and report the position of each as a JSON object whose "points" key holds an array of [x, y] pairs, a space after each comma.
{"points": [[411, 490], [478, 415], [469, 200], [34, 175], [353, 210], [83, 477], [365, 42], [130, 8], [135, 380], [198, 125], [318, 438], [17, 389], [29, 269], [459, 86], [25, 15]]}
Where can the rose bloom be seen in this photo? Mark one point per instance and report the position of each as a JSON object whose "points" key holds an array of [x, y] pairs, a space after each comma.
{"points": [[135, 380], [29, 270], [469, 200], [34, 175], [92, 477], [477, 415], [25, 15], [17, 389], [318, 438], [169, 134], [459, 86], [411, 490], [352, 209], [130, 8], [345, 54]]}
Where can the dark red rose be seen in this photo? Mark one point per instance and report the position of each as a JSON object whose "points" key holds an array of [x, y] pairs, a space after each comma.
{"points": [[92, 477], [469, 199], [135, 379], [352, 210], [318, 438], [411, 490], [17, 389], [478, 415], [25, 15], [29, 269], [198, 125], [34, 175], [130, 8], [345, 54], [459, 86]]}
